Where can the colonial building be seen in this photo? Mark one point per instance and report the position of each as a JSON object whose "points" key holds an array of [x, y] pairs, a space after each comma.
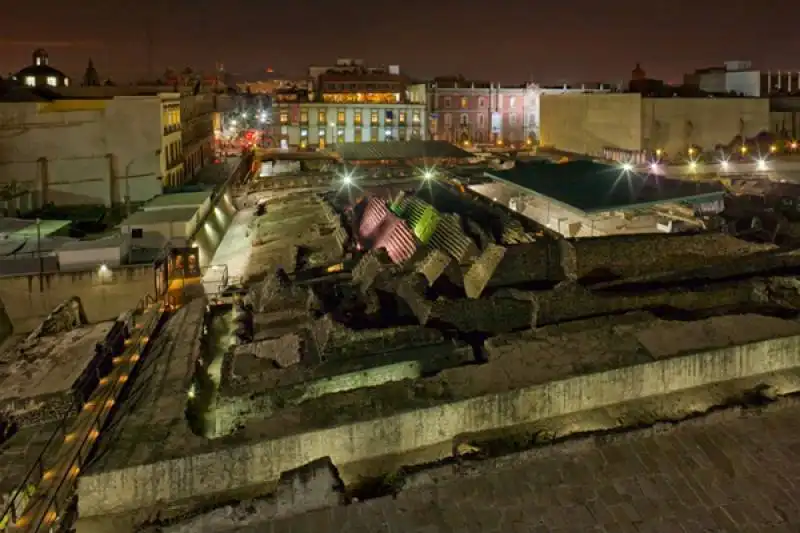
{"points": [[349, 103], [482, 113], [41, 74]]}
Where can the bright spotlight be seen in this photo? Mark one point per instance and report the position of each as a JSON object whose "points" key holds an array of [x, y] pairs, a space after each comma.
{"points": [[724, 165], [627, 167], [761, 165], [793, 145], [654, 167], [103, 269], [427, 175], [233, 122], [692, 165], [347, 179]]}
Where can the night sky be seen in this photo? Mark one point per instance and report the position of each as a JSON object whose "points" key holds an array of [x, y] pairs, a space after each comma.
{"points": [[503, 40]]}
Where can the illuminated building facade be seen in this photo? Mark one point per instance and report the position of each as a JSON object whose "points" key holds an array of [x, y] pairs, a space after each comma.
{"points": [[480, 113], [349, 103]]}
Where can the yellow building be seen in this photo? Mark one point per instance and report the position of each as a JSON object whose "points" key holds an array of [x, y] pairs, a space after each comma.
{"points": [[590, 123]]}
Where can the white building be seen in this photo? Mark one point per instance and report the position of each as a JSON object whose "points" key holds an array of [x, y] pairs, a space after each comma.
{"points": [[92, 151], [740, 77], [350, 102]]}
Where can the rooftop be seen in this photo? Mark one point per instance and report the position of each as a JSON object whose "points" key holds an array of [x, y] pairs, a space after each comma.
{"points": [[595, 187], [156, 216], [376, 151], [20, 228], [178, 200]]}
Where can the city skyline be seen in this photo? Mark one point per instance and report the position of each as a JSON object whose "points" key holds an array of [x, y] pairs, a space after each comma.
{"points": [[575, 41]]}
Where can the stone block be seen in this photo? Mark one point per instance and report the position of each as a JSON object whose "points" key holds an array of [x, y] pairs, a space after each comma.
{"points": [[482, 270], [285, 351], [487, 315], [370, 266], [411, 290], [316, 485], [432, 265]]}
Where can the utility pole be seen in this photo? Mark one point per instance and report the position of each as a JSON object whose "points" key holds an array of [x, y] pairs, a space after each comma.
{"points": [[39, 253]]}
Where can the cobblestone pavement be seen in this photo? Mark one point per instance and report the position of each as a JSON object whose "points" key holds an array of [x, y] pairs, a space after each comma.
{"points": [[723, 473]]}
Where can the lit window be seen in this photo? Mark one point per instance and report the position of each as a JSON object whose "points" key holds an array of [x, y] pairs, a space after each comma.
{"points": [[373, 118], [340, 117], [66, 82], [284, 130], [30, 81], [52, 81], [464, 119], [284, 117], [304, 116], [357, 117], [512, 101], [304, 133], [512, 119], [321, 117], [321, 133], [464, 102], [402, 117], [448, 120], [415, 117]]}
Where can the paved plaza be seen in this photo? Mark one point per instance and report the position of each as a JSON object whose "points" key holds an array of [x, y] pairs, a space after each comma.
{"points": [[727, 472]]}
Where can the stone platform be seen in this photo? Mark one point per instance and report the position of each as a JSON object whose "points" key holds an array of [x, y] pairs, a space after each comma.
{"points": [[730, 471], [552, 372]]}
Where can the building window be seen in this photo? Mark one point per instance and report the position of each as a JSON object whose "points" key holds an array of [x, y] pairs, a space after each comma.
{"points": [[340, 117], [481, 121], [464, 102], [512, 101], [284, 130], [512, 119], [415, 117], [321, 117], [304, 133], [66, 82], [448, 120], [402, 117], [30, 81], [52, 81], [340, 137], [303, 117], [357, 118], [481, 102], [284, 117], [415, 133], [373, 118], [387, 136], [389, 117], [321, 133], [446, 102], [464, 119]]}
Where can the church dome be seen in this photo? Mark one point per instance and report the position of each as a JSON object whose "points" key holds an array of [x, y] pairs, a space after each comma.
{"points": [[39, 73]]}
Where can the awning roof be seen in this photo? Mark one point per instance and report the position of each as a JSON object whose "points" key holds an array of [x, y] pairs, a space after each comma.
{"points": [[591, 187], [396, 150]]}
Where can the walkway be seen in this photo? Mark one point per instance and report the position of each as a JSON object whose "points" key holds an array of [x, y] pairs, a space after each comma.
{"points": [[233, 251], [56, 487], [720, 474]]}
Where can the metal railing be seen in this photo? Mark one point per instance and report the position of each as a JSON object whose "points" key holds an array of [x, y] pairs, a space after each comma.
{"points": [[53, 509]]}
